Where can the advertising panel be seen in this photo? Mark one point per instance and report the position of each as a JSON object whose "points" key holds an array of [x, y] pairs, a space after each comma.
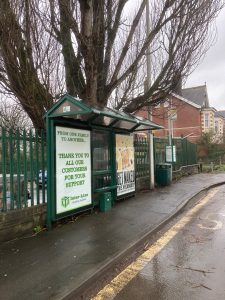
{"points": [[125, 164], [73, 169]]}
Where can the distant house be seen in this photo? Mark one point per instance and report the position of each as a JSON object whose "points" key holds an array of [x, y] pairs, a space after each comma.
{"points": [[185, 116], [188, 115], [222, 113], [219, 126], [199, 96]]}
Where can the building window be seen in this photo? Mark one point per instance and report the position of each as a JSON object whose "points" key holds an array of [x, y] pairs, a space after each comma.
{"points": [[206, 120], [216, 126]]}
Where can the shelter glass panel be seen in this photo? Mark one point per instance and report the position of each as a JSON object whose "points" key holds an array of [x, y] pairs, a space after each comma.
{"points": [[101, 152], [143, 127], [101, 181], [124, 125], [103, 120]]}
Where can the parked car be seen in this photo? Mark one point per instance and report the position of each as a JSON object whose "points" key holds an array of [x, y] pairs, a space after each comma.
{"points": [[40, 177]]}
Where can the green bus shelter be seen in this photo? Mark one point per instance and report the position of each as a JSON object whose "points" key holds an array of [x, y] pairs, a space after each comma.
{"points": [[90, 153]]}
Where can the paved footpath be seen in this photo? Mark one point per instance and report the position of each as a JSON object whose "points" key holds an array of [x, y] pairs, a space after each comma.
{"points": [[54, 264]]}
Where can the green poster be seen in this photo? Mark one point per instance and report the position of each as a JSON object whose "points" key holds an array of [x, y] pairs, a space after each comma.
{"points": [[73, 169]]}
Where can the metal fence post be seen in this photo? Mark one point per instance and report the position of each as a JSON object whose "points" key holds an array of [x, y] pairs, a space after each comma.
{"points": [[18, 178], [31, 167], [11, 169], [4, 202]]}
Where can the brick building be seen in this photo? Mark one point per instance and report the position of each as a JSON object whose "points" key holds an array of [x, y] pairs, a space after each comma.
{"points": [[219, 126], [188, 115], [179, 114]]}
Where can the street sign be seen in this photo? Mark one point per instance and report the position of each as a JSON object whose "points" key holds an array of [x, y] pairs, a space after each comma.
{"points": [[172, 114], [171, 154]]}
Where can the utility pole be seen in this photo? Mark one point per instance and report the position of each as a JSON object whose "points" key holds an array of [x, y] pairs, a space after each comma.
{"points": [[150, 135], [170, 122]]}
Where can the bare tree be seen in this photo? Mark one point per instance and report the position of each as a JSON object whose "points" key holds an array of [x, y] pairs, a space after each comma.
{"points": [[13, 116], [96, 49], [26, 58]]}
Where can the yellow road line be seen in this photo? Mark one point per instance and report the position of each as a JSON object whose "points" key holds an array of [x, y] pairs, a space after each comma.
{"points": [[122, 279]]}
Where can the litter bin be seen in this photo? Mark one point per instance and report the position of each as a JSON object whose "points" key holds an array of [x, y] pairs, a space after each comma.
{"points": [[105, 201], [163, 174]]}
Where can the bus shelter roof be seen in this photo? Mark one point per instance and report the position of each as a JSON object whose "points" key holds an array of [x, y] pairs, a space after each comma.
{"points": [[73, 108]]}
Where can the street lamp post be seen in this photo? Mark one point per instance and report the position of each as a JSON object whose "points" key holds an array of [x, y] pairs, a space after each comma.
{"points": [[150, 135]]}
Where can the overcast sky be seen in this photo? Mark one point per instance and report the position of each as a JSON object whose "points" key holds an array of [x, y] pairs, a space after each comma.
{"points": [[212, 69]]}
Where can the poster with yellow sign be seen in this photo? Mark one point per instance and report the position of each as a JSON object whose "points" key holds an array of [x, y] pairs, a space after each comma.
{"points": [[125, 164]]}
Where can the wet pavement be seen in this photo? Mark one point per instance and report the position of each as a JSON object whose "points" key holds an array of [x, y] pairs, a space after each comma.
{"points": [[54, 264], [191, 265]]}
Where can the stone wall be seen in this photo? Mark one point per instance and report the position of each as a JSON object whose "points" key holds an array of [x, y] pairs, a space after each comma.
{"points": [[142, 183], [185, 171], [18, 223]]}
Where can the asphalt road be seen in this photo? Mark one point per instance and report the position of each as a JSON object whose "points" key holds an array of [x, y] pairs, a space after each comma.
{"points": [[186, 262]]}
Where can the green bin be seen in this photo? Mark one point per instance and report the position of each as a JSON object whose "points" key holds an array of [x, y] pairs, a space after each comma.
{"points": [[105, 201], [163, 174]]}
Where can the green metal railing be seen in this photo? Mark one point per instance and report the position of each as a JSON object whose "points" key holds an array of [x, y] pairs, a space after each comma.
{"points": [[22, 169], [160, 150], [186, 153], [23, 164], [141, 156]]}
